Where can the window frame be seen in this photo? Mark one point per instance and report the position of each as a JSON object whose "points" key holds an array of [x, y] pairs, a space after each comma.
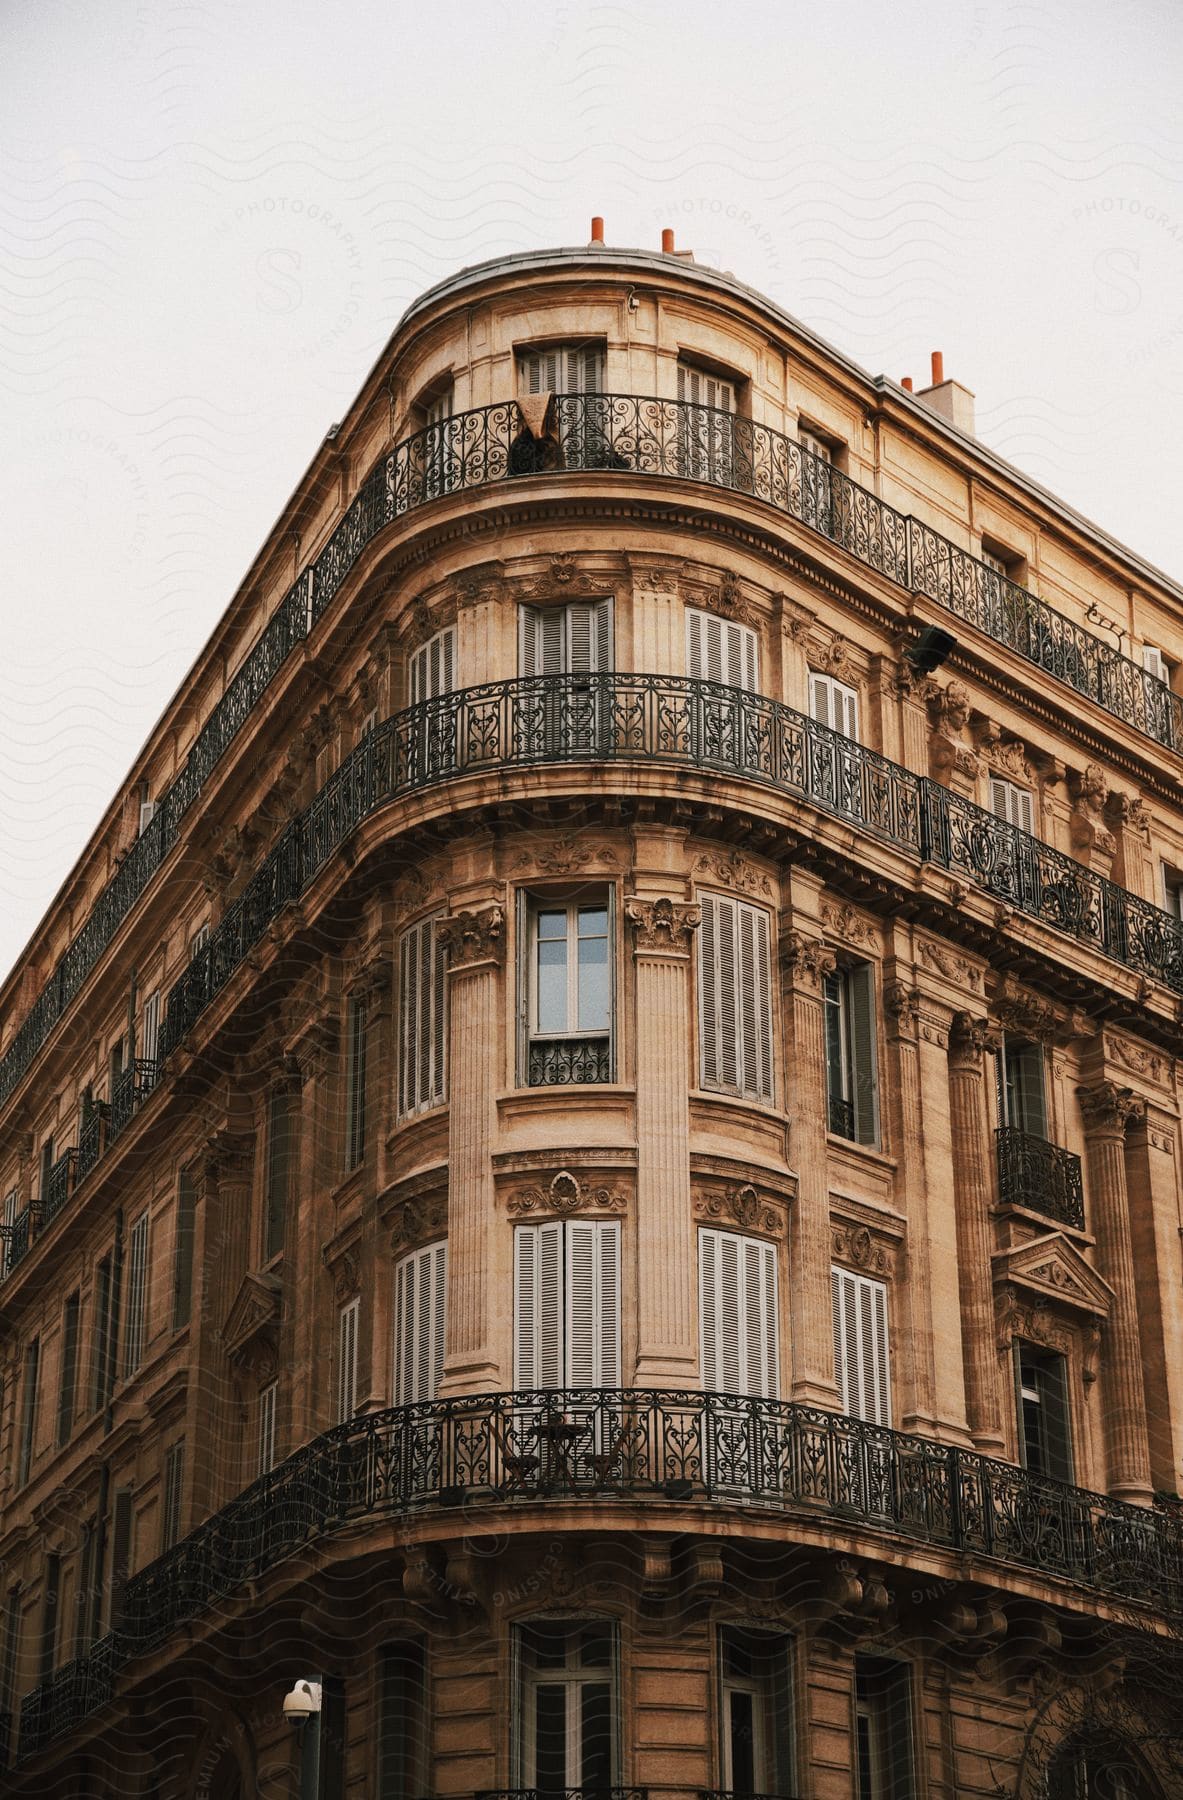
{"points": [[723, 1018], [556, 1242], [348, 1336], [774, 1770], [30, 1400], [357, 1023], [531, 902], [136, 1318], [744, 649], [842, 699], [278, 1169], [868, 1356], [1056, 1453], [893, 1738], [763, 1333], [850, 1018], [421, 1001], [1021, 1086], [526, 1681], [418, 1348], [266, 1436], [172, 1514]]}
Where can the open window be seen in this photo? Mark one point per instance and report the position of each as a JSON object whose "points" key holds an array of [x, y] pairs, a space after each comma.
{"points": [[565, 423], [883, 1749], [566, 987], [755, 1707], [435, 463], [1022, 1094], [1044, 1430], [851, 1064], [822, 495]]}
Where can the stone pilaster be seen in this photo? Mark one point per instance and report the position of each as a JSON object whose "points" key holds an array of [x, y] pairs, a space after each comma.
{"points": [[221, 1225], [475, 943], [1107, 1110], [1152, 1174], [667, 1331], [805, 962], [971, 1039]]}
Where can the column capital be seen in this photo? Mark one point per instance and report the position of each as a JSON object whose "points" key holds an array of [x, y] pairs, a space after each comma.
{"points": [[1108, 1108], [663, 925], [474, 940], [970, 1039], [226, 1158], [806, 961]]}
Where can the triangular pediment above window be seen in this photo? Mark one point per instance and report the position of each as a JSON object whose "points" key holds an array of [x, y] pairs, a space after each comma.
{"points": [[254, 1316], [1053, 1268]]}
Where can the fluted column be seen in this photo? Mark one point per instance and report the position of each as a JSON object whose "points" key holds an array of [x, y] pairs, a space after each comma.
{"points": [[805, 963], [667, 1335], [969, 1040], [221, 1225], [475, 945], [1107, 1110]]}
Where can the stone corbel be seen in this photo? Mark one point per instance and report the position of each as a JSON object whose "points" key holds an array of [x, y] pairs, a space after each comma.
{"points": [[805, 961], [854, 1602], [662, 925], [473, 939], [971, 1038]]}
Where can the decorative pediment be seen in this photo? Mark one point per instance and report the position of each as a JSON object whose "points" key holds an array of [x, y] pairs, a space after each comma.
{"points": [[1054, 1269], [250, 1333]]}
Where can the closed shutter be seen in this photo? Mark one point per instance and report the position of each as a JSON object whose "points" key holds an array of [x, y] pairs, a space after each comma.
{"points": [[433, 667], [1012, 804], [150, 1027], [543, 640], [861, 1364], [538, 1306], [174, 1476], [697, 388], [589, 637], [347, 1321], [720, 650], [1153, 662], [422, 1018], [738, 1321], [833, 703], [562, 369], [735, 997], [560, 640], [861, 991], [137, 1295], [9, 1223], [420, 1324], [267, 1398], [717, 1018], [592, 1304]]}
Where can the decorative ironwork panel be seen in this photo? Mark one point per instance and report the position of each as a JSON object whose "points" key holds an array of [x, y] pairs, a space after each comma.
{"points": [[1040, 1176], [560, 1062]]}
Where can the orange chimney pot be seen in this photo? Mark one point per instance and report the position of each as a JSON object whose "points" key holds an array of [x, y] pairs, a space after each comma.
{"points": [[938, 367]]}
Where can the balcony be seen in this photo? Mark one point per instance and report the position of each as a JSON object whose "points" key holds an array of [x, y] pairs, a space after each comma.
{"points": [[561, 1062], [1039, 1176], [504, 1451], [59, 1186]]}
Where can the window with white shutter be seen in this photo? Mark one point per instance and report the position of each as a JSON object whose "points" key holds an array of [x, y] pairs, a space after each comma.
{"points": [[422, 1015], [1012, 803], [357, 1019], [833, 703], [721, 650], [137, 1296], [147, 812], [568, 717], [861, 1363], [1154, 662], [174, 1478], [1022, 1101], [347, 1323], [851, 1063], [738, 1316], [574, 639], [735, 997], [432, 667], [150, 1028], [266, 1418], [420, 1322], [562, 369], [706, 426], [567, 1304]]}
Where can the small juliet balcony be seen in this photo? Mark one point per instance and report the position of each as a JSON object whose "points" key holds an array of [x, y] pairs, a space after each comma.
{"points": [[568, 1061], [1040, 1176]]}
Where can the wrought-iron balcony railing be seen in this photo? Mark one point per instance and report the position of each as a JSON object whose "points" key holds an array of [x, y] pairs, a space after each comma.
{"points": [[662, 719], [484, 1452], [634, 435], [558, 1062], [840, 1116], [1040, 1176], [58, 1187], [574, 1793]]}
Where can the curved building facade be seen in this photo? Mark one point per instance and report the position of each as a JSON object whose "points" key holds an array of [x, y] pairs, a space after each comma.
{"points": [[590, 1155]]}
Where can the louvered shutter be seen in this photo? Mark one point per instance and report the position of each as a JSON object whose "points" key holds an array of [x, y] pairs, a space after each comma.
{"points": [[720, 650], [433, 667], [543, 640], [137, 1295], [422, 1018], [562, 369], [347, 1321], [697, 388], [860, 988], [1012, 804], [738, 1324], [538, 1305], [592, 1295], [420, 1324], [1153, 662], [718, 1023], [754, 1077], [861, 1361], [846, 710], [819, 699], [150, 1027], [267, 1428]]}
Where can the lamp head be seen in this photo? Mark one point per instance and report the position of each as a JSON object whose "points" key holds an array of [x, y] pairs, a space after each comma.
{"points": [[931, 649], [302, 1703]]}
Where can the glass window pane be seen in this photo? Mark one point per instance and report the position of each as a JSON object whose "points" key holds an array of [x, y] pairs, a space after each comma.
{"points": [[550, 1738], [741, 1730], [552, 971], [596, 1737], [593, 984]]}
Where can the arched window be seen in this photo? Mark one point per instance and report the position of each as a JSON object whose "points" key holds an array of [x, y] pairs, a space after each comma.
{"points": [[1097, 1770]]}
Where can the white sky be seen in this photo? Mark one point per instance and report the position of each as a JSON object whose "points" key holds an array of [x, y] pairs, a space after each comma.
{"points": [[213, 213]]}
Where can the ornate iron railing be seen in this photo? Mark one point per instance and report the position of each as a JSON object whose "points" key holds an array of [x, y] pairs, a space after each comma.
{"points": [[840, 1116], [557, 1062], [489, 1451], [576, 1793], [59, 1186], [1040, 1176]]}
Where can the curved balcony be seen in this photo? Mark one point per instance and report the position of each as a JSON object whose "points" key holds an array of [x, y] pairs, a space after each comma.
{"points": [[631, 435], [622, 1446]]}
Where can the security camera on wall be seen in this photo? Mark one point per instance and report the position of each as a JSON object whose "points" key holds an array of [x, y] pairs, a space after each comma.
{"points": [[303, 1702]]}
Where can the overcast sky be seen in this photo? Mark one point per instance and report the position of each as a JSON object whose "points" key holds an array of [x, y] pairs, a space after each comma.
{"points": [[213, 214]]}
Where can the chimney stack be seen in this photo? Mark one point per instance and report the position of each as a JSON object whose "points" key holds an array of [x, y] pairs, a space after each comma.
{"points": [[906, 384], [597, 236], [938, 367], [947, 397], [667, 242]]}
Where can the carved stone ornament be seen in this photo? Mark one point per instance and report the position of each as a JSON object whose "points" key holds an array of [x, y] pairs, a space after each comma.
{"points": [[250, 1334], [849, 926], [344, 1269], [855, 1245], [662, 924], [950, 754], [1107, 1107], [1029, 1014], [562, 573], [226, 1158], [1053, 1269], [565, 1194], [806, 960], [419, 1221], [567, 855], [742, 1206], [473, 937], [1035, 1322], [1087, 826], [727, 600], [796, 619], [731, 870], [949, 963], [904, 1003], [1006, 757], [838, 659], [970, 1038], [1136, 1058]]}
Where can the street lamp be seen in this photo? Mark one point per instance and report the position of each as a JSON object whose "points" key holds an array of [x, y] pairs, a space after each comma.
{"points": [[301, 1706]]}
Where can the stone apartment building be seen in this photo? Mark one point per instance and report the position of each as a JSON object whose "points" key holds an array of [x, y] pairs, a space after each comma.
{"points": [[590, 1154]]}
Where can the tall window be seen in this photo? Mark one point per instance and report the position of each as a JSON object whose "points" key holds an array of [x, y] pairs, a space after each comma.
{"points": [[28, 1411], [1021, 1092], [278, 1173], [818, 486], [567, 1304], [833, 703], [852, 1101], [738, 1314], [420, 1321], [68, 1383], [861, 1360], [432, 668], [1041, 1384], [561, 369], [9, 1223], [1156, 690], [356, 1024], [137, 1296], [122, 1553], [150, 1027], [438, 470], [45, 1171], [105, 1333], [755, 1705], [735, 998], [1012, 803], [567, 989], [266, 1428], [186, 1219], [706, 426], [50, 1606], [403, 1722], [422, 1018], [174, 1490], [347, 1321], [883, 1730], [721, 650], [573, 719], [566, 1716]]}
